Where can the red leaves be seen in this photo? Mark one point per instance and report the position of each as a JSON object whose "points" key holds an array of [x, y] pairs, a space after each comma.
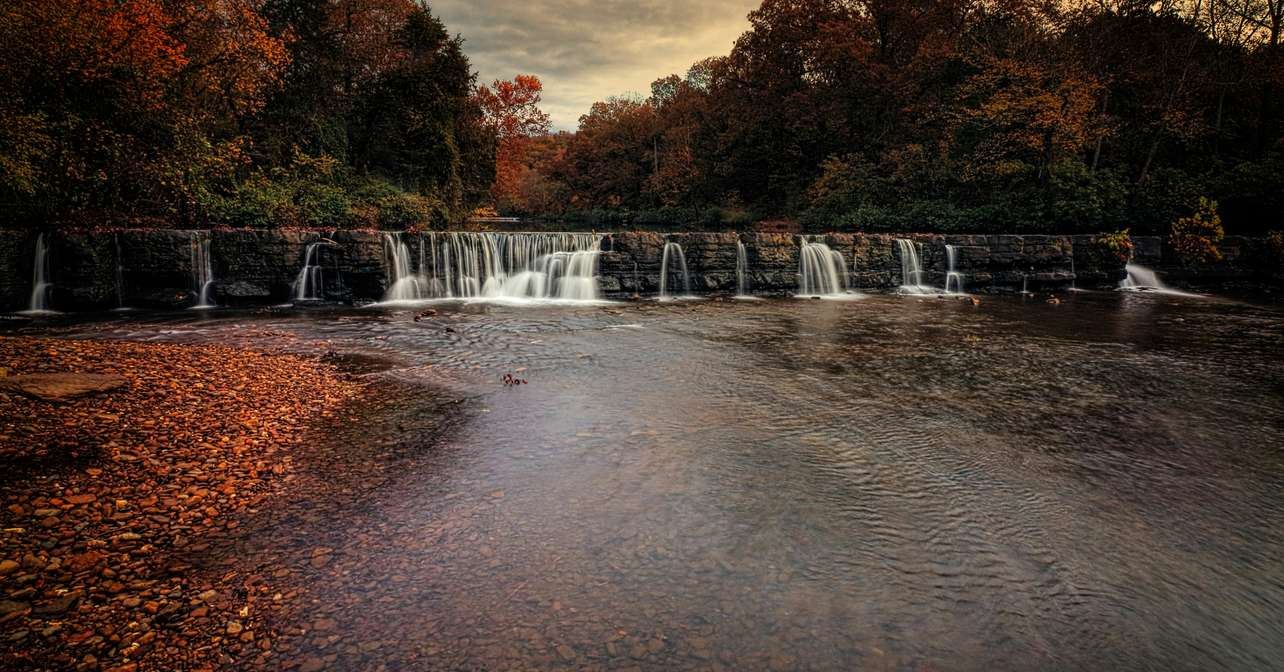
{"points": [[509, 380], [513, 114]]}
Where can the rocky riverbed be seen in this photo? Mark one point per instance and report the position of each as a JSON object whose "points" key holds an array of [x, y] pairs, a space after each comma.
{"points": [[108, 495]]}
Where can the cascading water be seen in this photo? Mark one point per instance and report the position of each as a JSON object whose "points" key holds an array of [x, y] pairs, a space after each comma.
{"points": [[202, 270], [1142, 279], [40, 284], [821, 270], [495, 266], [953, 279], [403, 285], [308, 285], [673, 251], [911, 268], [742, 271], [119, 277]]}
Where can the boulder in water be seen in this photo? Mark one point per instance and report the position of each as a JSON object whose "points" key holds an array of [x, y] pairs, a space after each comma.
{"points": [[61, 386]]}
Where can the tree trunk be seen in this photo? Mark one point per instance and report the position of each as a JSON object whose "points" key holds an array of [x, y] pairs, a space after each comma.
{"points": [[1096, 151], [1150, 158]]}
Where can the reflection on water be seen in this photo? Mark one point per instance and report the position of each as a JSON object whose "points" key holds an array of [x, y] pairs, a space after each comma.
{"points": [[894, 483]]}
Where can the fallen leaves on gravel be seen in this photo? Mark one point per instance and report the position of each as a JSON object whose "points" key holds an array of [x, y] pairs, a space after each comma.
{"points": [[95, 492]]}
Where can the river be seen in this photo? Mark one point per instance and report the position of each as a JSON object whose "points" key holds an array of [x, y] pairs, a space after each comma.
{"points": [[892, 483]]}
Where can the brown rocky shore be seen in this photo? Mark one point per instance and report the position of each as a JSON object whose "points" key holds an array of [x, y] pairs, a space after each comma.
{"points": [[104, 479]]}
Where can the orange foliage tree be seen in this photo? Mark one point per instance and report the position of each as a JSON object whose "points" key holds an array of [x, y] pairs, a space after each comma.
{"points": [[83, 99], [513, 114]]}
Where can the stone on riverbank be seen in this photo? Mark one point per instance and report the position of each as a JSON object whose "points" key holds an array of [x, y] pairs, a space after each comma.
{"points": [[58, 387]]}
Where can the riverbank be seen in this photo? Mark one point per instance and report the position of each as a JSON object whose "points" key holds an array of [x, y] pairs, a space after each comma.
{"points": [[100, 492]]}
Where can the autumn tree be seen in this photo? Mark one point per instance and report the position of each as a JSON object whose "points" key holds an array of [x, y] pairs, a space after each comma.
{"points": [[84, 104], [511, 109], [610, 158]]}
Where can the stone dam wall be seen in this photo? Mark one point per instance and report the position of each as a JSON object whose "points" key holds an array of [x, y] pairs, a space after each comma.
{"points": [[154, 269]]}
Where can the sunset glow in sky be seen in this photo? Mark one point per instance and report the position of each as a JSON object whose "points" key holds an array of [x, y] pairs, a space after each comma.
{"points": [[586, 51]]}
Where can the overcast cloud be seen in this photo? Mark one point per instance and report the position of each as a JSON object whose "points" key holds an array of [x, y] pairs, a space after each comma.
{"points": [[585, 51]]}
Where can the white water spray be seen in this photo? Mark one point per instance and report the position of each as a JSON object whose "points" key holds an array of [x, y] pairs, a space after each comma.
{"points": [[673, 251], [40, 285], [821, 270], [202, 270], [1142, 279], [309, 285], [403, 285], [953, 279], [912, 273], [508, 267], [742, 271]]}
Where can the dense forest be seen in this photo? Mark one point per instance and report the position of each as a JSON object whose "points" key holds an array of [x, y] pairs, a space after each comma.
{"points": [[946, 115], [238, 112]]}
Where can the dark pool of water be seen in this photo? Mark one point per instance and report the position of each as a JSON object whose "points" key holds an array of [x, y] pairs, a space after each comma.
{"points": [[891, 483]]}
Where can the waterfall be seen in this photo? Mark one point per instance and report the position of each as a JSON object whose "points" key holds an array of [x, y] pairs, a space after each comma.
{"points": [[1142, 279], [308, 284], [40, 284], [1025, 283], [202, 270], [742, 270], [821, 271], [953, 279], [673, 250], [911, 268], [119, 276], [510, 267], [402, 284]]}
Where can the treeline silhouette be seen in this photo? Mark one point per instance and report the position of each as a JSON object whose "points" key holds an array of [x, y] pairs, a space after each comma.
{"points": [[949, 115]]}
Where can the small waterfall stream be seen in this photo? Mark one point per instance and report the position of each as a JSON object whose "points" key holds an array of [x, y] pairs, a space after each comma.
{"points": [[953, 279], [673, 251], [202, 270], [308, 285], [821, 270], [742, 271], [1142, 279], [912, 273], [119, 273], [40, 284], [403, 285]]}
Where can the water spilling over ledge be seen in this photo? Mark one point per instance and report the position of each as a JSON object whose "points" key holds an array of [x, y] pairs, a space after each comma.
{"points": [[40, 284], [178, 269], [822, 272], [512, 267], [673, 273]]}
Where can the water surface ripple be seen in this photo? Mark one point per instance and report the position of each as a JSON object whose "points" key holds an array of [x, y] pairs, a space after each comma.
{"points": [[894, 483]]}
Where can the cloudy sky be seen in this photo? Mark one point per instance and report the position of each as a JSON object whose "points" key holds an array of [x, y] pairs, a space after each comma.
{"points": [[586, 51]]}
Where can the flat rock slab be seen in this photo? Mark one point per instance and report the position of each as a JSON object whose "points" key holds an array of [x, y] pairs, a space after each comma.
{"points": [[61, 386]]}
